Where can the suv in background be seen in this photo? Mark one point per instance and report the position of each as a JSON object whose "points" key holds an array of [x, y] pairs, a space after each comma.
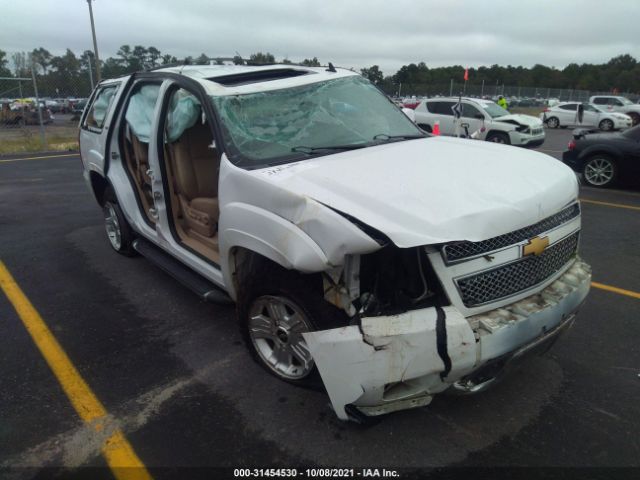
{"points": [[388, 264], [483, 119], [615, 103]]}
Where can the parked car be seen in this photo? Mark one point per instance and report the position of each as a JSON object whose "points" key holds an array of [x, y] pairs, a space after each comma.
{"points": [[23, 114], [389, 264], [491, 122], [605, 158], [567, 114], [615, 103]]}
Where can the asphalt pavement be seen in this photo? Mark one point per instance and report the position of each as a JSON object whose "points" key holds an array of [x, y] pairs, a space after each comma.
{"points": [[176, 380]]}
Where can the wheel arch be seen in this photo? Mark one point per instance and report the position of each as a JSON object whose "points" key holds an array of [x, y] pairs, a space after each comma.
{"points": [[99, 185]]}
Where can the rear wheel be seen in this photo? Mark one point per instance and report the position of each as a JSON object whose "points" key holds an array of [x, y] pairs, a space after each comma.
{"points": [[118, 230], [499, 137], [600, 171], [606, 125], [635, 118], [553, 122]]}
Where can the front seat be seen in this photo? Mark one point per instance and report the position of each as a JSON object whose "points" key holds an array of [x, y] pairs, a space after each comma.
{"points": [[196, 166]]}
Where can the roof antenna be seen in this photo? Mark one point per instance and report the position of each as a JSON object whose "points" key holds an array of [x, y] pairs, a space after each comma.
{"points": [[331, 68]]}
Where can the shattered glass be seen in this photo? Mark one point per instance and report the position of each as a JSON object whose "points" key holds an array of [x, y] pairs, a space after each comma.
{"points": [[345, 111]]}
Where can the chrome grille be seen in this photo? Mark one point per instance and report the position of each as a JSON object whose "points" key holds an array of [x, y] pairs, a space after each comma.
{"points": [[457, 251], [514, 277]]}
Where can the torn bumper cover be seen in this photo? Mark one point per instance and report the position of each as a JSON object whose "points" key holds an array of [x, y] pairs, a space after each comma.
{"points": [[397, 362]]}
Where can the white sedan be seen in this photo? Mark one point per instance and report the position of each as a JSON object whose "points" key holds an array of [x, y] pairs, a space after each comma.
{"points": [[566, 114]]}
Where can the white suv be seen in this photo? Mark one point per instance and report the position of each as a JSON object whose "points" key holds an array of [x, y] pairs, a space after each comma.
{"points": [[614, 103], [483, 119], [388, 264]]}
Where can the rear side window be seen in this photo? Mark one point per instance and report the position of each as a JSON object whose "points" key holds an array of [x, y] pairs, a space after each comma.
{"points": [[440, 108], [101, 105], [570, 106], [600, 100]]}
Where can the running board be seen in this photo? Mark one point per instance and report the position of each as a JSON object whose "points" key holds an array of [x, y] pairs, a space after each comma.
{"points": [[190, 279]]}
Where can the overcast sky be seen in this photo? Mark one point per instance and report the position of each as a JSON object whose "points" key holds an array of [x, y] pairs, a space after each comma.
{"points": [[349, 33]]}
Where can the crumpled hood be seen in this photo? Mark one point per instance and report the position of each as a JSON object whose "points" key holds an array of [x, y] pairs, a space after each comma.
{"points": [[521, 119], [434, 190]]}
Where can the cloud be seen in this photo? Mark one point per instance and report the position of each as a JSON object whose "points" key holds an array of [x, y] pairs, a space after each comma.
{"points": [[347, 33]]}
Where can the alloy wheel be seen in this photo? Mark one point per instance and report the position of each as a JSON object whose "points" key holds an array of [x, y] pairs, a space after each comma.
{"points": [[276, 325], [599, 171], [112, 226]]}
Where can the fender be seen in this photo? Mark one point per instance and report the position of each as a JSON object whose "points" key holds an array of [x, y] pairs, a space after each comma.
{"points": [[599, 148], [260, 231]]}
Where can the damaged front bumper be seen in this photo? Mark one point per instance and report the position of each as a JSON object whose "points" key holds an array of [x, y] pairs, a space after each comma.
{"points": [[398, 362]]}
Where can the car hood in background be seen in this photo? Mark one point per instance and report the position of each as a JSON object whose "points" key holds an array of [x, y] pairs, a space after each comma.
{"points": [[434, 190], [528, 120]]}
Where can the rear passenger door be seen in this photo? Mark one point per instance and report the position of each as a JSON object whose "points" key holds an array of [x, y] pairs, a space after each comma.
{"points": [[567, 114], [94, 125], [442, 109]]}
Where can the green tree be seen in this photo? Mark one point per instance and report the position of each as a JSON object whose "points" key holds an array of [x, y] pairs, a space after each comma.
{"points": [[313, 62], [4, 70], [168, 59], [153, 56], [237, 60], [41, 57], [203, 59], [260, 58], [373, 74]]}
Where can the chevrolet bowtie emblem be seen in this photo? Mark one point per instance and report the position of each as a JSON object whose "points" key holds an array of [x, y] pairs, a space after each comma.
{"points": [[535, 246]]}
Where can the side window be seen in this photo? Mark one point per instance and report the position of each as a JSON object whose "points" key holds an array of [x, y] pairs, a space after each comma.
{"points": [[98, 110], [570, 106], [600, 101], [441, 108], [469, 111], [615, 102]]}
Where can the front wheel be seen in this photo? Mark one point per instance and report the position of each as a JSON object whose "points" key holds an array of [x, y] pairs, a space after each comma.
{"points": [[118, 230], [275, 307], [600, 171], [499, 137]]}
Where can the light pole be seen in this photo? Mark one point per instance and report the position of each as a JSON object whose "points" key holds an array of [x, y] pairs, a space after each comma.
{"points": [[95, 43]]}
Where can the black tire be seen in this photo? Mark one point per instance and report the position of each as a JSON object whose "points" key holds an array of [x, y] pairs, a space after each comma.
{"points": [[606, 125], [635, 118], [265, 281], [119, 232], [553, 122], [425, 127], [600, 171], [499, 137]]}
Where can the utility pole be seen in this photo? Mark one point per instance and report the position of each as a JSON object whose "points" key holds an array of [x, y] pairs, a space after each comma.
{"points": [[95, 42]]}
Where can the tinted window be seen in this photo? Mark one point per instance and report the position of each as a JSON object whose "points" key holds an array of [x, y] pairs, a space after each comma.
{"points": [[469, 111], [600, 101], [100, 107], [616, 102], [440, 108], [570, 106]]}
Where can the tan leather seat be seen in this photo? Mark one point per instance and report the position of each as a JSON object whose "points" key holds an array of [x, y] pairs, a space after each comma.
{"points": [[141, 154], [196, 170]]}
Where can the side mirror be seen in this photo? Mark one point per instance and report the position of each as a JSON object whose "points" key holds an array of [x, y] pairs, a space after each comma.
{"points": [[410, 113]]}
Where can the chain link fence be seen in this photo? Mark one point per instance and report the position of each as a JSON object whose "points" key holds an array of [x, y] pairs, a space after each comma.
{"points": [[516, 96], [39, 111]]}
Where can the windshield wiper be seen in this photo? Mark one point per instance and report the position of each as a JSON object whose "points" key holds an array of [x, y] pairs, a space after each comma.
{"points": [[310, 150], [384, 136]]}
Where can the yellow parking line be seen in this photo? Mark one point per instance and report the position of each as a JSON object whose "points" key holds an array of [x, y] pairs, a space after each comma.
{"points": [[620, 291], [116, 450], [39, 158], [609, 204]]}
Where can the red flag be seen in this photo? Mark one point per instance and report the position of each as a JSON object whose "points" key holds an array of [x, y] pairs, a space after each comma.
{"points": [[466, 74]]}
